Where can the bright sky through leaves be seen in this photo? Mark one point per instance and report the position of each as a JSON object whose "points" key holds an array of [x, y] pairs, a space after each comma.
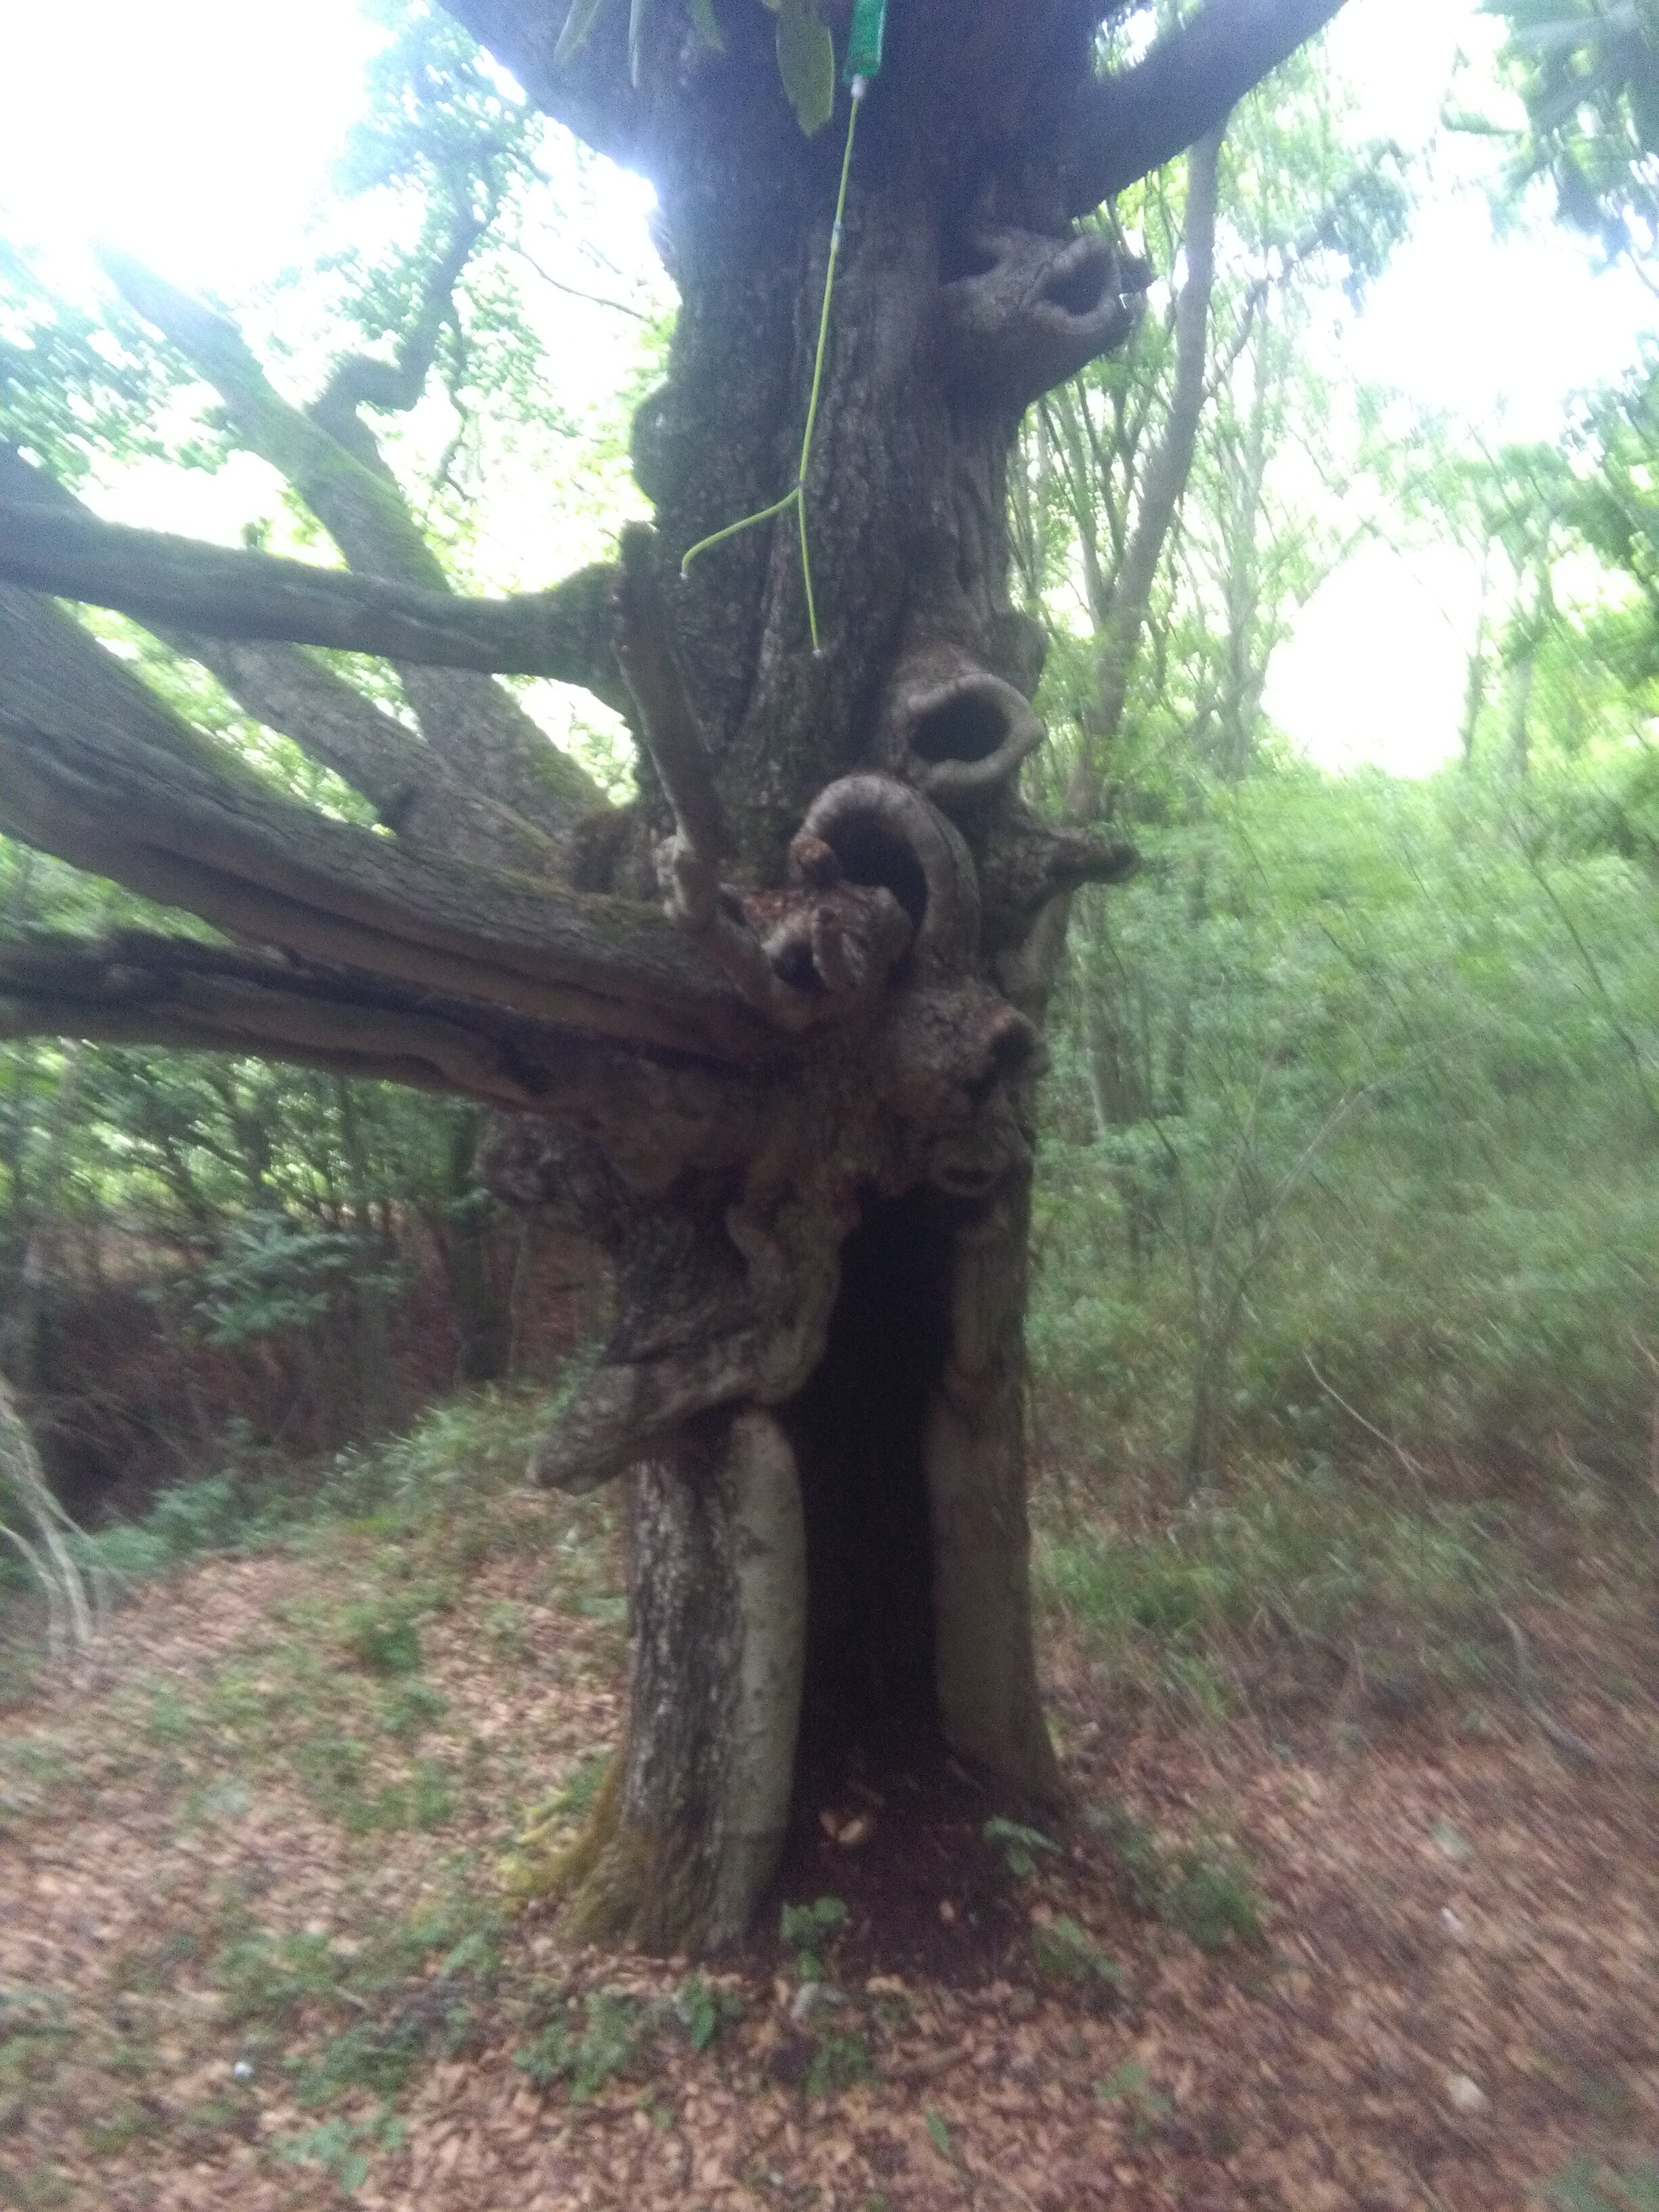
{"points": [[198, 136]]}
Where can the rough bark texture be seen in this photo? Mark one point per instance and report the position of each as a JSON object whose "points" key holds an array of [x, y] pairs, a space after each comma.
{"points": [[894, 1358], [797, 1116]]}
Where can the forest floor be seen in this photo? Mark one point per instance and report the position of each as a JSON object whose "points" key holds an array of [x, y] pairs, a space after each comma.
{"points": [[1363, 1948]]}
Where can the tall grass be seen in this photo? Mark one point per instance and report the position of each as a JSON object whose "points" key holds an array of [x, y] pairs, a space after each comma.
{"points": [[1396, 1128]]}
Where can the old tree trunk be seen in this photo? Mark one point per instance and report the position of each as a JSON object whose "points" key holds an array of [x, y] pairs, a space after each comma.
{"points": [[795, 1111]]}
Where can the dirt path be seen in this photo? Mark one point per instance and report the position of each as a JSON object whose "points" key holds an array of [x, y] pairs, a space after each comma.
{"points": [[252, 1952]]}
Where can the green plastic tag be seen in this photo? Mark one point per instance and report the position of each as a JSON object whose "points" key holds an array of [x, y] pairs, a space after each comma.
{"points": [[864, 40]]}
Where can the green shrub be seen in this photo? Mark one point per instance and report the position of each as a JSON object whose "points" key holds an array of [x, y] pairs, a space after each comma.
{"points": [[1204, 1888], [614, 2033], [382, 1638]]}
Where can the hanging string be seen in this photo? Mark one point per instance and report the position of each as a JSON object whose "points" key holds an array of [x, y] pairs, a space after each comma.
{"points": [[796, 496]]}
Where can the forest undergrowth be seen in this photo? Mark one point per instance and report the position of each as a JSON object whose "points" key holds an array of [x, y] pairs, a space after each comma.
{"points": [[1354, 1905], [1346, 1415]]}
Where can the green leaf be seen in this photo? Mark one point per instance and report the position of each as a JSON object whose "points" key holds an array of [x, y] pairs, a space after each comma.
{"points": [[1018, 1843], [806, 63], [940, 2133], [706, 25], [577, 25]]}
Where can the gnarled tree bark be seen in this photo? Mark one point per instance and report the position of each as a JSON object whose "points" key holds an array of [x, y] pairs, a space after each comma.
{"points": [[796, 1112]]}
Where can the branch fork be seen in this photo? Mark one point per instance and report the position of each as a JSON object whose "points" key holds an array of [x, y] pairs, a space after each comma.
{"points": [[820, 946]]}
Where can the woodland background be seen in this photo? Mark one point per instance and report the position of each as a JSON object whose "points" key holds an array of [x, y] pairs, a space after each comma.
{"points": [[1345, 1335], [1354, 1091]]}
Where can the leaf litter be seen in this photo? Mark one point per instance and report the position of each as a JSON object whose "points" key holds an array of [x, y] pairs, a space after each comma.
{"points": [[253, 1950]]}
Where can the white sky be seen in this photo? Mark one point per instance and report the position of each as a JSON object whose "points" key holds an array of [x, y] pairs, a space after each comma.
{"points": [[198, 134], [1501, 333]]}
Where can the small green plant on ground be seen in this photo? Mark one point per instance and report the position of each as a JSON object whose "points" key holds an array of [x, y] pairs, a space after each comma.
{"points": [[382, 1637], [1204, 1889], [343, 2148], [380, 2055], [841, 2061], [505, 1629], [803, 1928], [1127, 2086], [269, 1979], [409, 1709], [1065, 1952], [703, 2008], [1589, 2187], [1019, 1846], [613, 2035]]}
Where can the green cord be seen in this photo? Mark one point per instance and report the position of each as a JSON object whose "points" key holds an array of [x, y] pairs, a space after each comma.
{"points": [[796, 497]]}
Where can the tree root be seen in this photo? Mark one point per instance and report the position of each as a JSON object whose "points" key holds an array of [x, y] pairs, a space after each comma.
{"points": [[608, 1883]]}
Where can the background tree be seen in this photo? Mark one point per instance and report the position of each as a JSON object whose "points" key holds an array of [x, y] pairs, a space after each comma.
{"points": [[797, 1111], [1168, 497], [1588, 74]]}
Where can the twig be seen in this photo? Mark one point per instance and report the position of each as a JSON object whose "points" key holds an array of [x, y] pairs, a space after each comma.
{"points": [[1412, 1466], [70, 1623], [1563, 1738], [576, 291]]}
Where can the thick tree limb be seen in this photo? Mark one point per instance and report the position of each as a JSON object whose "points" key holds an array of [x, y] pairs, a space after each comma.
{"points": [[85, 772], [591, 92], [140, 989], [482, 732], [329, 891], [410, 787], [187, 585], [1124, 126], [362, 380], [359, 504]]}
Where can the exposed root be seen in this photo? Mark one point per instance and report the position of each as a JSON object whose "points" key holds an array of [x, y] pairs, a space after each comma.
{"points": [[547, 1860]]}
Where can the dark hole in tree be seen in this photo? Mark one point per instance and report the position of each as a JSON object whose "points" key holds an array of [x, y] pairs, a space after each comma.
{"points": [[1080, 291], [1008, 1056], [794, 965], [968, 726], [963, 255], [857, 1429], [870, 853]]}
